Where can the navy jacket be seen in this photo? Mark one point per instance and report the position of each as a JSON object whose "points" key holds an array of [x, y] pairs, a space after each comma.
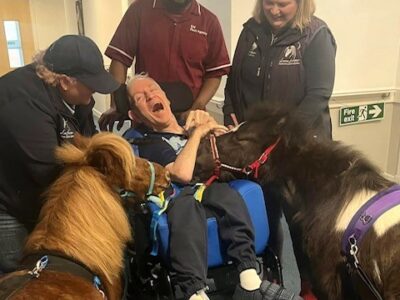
{"points": [[33, 121], [294, 70]]}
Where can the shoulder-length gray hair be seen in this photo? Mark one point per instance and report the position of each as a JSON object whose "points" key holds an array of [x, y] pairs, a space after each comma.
{"points": [[305, 10]]}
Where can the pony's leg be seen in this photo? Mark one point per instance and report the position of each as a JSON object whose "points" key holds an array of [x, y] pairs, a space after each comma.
{"points": [[296, 234]]}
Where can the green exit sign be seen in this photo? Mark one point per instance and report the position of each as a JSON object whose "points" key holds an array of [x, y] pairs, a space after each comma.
{"points": [[362, 113]]}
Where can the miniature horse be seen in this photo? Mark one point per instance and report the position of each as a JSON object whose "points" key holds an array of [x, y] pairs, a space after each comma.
{"points": [[83, 220], [326, 183]]}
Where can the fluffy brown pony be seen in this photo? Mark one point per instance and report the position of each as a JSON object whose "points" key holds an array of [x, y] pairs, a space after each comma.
{"points": [[83, 217], [326, 183]]}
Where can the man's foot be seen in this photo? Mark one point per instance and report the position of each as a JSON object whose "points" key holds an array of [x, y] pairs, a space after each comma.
{"points": [[267, 291]]}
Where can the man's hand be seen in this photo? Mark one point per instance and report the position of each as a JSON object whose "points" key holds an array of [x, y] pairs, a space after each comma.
{"points": [[109, 117], [201, 122], [184, 115]]}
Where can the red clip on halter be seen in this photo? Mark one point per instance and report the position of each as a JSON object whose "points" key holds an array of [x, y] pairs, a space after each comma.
{"points": [[248, 170], [254, 166]]}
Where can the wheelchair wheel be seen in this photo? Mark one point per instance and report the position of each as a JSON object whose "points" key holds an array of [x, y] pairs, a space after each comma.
{"points": [[154, 285], [272, 269]]}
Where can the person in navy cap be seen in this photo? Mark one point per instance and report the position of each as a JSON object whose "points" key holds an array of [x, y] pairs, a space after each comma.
{"points": [[42, 105]]}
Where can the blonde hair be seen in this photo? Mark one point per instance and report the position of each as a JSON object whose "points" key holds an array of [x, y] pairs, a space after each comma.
{"points": [[305, 10], [43, 72]]}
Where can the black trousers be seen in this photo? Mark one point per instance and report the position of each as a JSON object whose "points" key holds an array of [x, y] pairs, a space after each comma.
{"points": [[188, 233], [12, 239]]}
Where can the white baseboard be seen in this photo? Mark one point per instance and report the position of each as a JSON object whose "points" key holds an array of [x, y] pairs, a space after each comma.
{"points": [[395, 178]]}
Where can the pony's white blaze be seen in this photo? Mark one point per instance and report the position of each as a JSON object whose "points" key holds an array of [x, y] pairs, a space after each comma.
{"points": [[387, 220], [384, 222]]}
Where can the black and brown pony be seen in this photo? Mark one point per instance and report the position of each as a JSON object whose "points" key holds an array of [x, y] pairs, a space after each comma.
{"points": [[325, 183], [83, 222]]}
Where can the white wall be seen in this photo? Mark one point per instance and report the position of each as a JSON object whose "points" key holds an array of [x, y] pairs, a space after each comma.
{"points": [[368, 38], [222, 8], [398, 70], [241, 12], [50, 20], [101, 18]]}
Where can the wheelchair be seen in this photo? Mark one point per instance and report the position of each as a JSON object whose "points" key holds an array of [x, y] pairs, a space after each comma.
{"points": [[151, 276]]}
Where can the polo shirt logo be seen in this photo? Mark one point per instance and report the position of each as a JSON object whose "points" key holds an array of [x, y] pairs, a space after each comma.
{"points": [[176, 142], [194, 29], [290, 56]]}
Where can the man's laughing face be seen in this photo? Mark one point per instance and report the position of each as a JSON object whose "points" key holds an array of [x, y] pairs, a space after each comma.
{"points": [[152, 105]]}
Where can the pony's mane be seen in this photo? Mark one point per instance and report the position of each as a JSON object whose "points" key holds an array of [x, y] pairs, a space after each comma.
{"points": [[82, 216], [104, 151], [288, 124]]}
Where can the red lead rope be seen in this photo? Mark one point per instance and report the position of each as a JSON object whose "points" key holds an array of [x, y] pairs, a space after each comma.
{"points": [[217, 169], [253, 167]]}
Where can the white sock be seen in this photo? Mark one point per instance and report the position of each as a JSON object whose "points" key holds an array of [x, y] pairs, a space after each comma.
{"points": [[200, 295], [249, 280]]}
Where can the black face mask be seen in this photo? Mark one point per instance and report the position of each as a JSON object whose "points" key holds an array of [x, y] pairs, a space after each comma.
{"points": [[176, 5]]}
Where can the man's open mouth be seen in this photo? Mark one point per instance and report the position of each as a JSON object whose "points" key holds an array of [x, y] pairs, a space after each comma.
{"points": [[157, 107]]}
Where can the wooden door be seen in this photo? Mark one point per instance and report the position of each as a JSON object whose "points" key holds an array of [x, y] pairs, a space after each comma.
{"points": [[16, 10]]}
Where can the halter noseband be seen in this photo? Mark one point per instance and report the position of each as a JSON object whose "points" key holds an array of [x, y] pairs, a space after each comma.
{"points": [[126, 194], [247, 170]]}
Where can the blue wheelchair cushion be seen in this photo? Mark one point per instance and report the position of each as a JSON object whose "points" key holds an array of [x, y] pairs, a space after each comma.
{"points": [[254, 199]]}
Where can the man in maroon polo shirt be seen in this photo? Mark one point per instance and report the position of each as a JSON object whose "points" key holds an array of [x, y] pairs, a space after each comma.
{"points": [[178, 43]]}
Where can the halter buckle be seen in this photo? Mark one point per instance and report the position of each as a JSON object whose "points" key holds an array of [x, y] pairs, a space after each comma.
{"points": [[353, 249], [247, 170], [40, 265]]}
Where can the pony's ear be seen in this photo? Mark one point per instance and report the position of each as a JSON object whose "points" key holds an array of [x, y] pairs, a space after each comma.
{"points": [[112, 156]]}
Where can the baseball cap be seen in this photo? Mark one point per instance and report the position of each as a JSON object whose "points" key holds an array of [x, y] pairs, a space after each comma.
{"points": [[79, 57]]}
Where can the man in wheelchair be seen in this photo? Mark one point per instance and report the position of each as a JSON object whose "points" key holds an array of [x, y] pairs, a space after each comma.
{"points": [[175, 147]]}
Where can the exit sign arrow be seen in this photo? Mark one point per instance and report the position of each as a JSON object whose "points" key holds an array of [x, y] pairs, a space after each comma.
{"points": [[376, 110], [350, 115]]}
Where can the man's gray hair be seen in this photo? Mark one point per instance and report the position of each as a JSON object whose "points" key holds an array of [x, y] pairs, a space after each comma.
{"points": [[136, 77], [141, 76]]}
